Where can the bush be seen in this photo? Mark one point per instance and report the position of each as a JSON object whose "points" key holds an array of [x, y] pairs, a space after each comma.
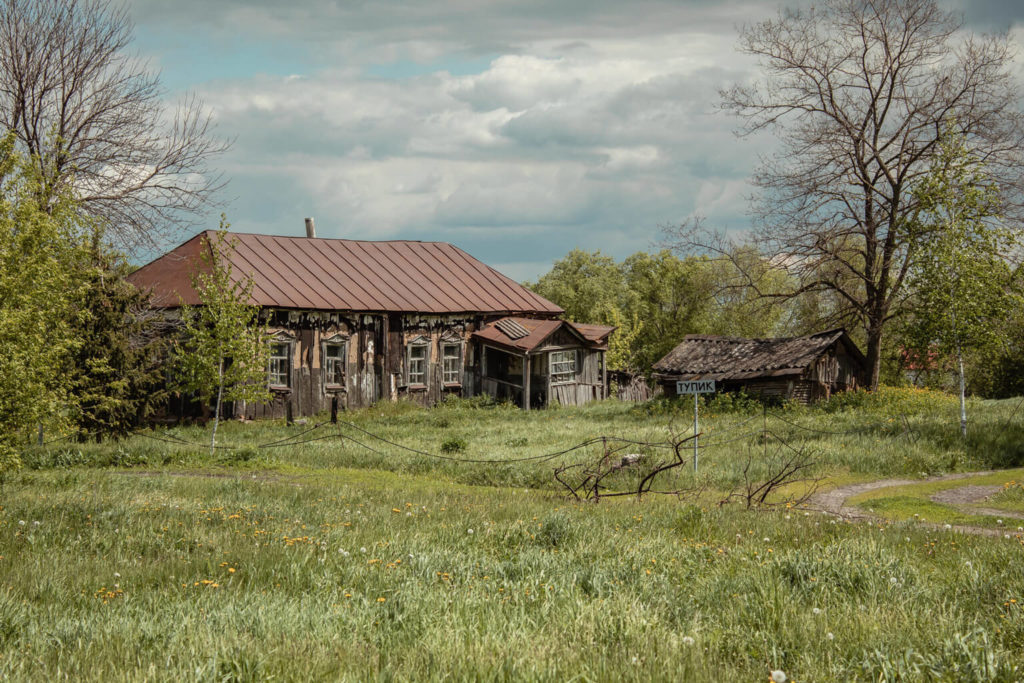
{"points": [[455, 444], [891, 401]]}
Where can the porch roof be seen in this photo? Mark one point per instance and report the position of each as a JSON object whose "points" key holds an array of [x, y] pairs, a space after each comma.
{"points": [[526, 335]]}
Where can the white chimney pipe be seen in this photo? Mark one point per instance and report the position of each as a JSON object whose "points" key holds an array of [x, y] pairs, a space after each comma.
{"points": [[310, 229]]}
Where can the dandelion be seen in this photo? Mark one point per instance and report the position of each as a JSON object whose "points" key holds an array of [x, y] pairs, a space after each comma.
{"points": [[117, 575], [408, 514], [829, 636], [363, 549], [766, 539], [21, 522], [948, 527], [778, 676], [687, 640], [893, 580], [816, 610], [469, 531], [999, 521], [381, 599], [36, 522]]}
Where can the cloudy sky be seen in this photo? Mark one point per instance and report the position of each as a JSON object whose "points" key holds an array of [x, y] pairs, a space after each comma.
{"points": [[516, 129]]}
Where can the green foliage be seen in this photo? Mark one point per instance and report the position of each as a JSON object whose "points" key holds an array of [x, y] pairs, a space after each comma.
{"points": [[39, 285], [891, 401], [654, 300], [588, 285], [454, 444], [963, 288], [223, 352], [117, 371]]}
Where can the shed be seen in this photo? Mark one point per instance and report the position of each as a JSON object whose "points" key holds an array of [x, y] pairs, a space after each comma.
{"points": [[807, 368]]}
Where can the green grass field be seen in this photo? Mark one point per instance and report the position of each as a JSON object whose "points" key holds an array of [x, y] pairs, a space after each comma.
{"points": [[147, 560]]}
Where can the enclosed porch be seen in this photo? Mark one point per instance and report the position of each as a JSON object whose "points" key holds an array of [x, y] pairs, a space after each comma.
{"points": [[535, 363]]}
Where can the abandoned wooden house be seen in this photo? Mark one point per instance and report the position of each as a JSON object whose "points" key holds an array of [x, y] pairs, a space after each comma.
{"points": [[353, 322], [805, 369]]}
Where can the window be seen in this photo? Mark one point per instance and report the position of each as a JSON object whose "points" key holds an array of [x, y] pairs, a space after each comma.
{"points": [[334, 363], [280, 364], [419, 354], [451, 355], [562, 366]]}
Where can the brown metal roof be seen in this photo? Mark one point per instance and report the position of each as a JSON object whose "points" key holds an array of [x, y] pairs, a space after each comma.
{"points": [[596, 334], [347, 275], [723, 358], [538, 332]]}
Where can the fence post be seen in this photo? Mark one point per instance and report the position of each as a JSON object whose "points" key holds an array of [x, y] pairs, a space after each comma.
{"points": [[334, 409]]}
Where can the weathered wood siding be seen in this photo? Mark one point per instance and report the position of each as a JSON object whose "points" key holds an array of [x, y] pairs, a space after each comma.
{"points": [[375, 360], [589, 385], [836, 370]]}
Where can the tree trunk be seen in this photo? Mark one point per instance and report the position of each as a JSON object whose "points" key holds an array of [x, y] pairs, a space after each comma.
{"points": [[874, 356], [216, 414], [963, 392]]}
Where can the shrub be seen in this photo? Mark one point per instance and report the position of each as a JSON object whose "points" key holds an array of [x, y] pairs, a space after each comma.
{"points": [[455, 444], [891, 401]]}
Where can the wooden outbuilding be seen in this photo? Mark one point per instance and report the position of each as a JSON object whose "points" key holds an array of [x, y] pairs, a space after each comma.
{"points": [[805, 369], [354, 322]]}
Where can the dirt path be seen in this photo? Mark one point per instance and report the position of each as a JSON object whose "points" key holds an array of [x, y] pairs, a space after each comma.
{"points": [[834, 501]]}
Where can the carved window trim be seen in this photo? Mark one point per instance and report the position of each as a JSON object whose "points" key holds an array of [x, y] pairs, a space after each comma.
{"points": [[333, 365], [417, 362], [279, 365]]}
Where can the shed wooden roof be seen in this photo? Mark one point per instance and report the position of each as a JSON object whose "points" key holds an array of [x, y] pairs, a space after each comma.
{"points": [[400, 276], [504, 333], [734, 358]]}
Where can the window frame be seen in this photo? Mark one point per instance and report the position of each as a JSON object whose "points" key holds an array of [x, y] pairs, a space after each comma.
{"points": [[289, 349], [557, 357], [458, 357], [340, 342], [419, 342]]}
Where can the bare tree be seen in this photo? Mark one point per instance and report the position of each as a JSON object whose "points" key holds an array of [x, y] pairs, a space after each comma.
{"points": [[858, 92], [92, 117]]}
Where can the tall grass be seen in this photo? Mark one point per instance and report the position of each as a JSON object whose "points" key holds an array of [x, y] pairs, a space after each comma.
{"points": [[353, 574], [888, 433]]}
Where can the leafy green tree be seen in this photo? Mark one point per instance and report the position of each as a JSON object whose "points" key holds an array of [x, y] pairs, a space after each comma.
{"points": [[961, 282], [117, 372], [39, 286], [224, 351], [588, 285]]}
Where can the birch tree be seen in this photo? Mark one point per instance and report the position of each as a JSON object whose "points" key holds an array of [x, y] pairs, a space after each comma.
{"points": [[223, 352], [962, 284]]}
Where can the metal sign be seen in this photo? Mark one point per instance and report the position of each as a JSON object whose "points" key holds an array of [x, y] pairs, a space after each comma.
{"points": [[704, 386]]}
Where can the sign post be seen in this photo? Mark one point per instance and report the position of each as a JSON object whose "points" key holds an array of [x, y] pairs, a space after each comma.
{"points": [[697, 387]]}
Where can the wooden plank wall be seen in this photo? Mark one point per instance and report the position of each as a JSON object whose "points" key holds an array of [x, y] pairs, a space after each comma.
{"points": [[375, 360]]}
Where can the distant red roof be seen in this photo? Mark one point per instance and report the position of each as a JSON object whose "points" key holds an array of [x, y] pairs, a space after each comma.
{"points": [[538, 331], [400, 276]]}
